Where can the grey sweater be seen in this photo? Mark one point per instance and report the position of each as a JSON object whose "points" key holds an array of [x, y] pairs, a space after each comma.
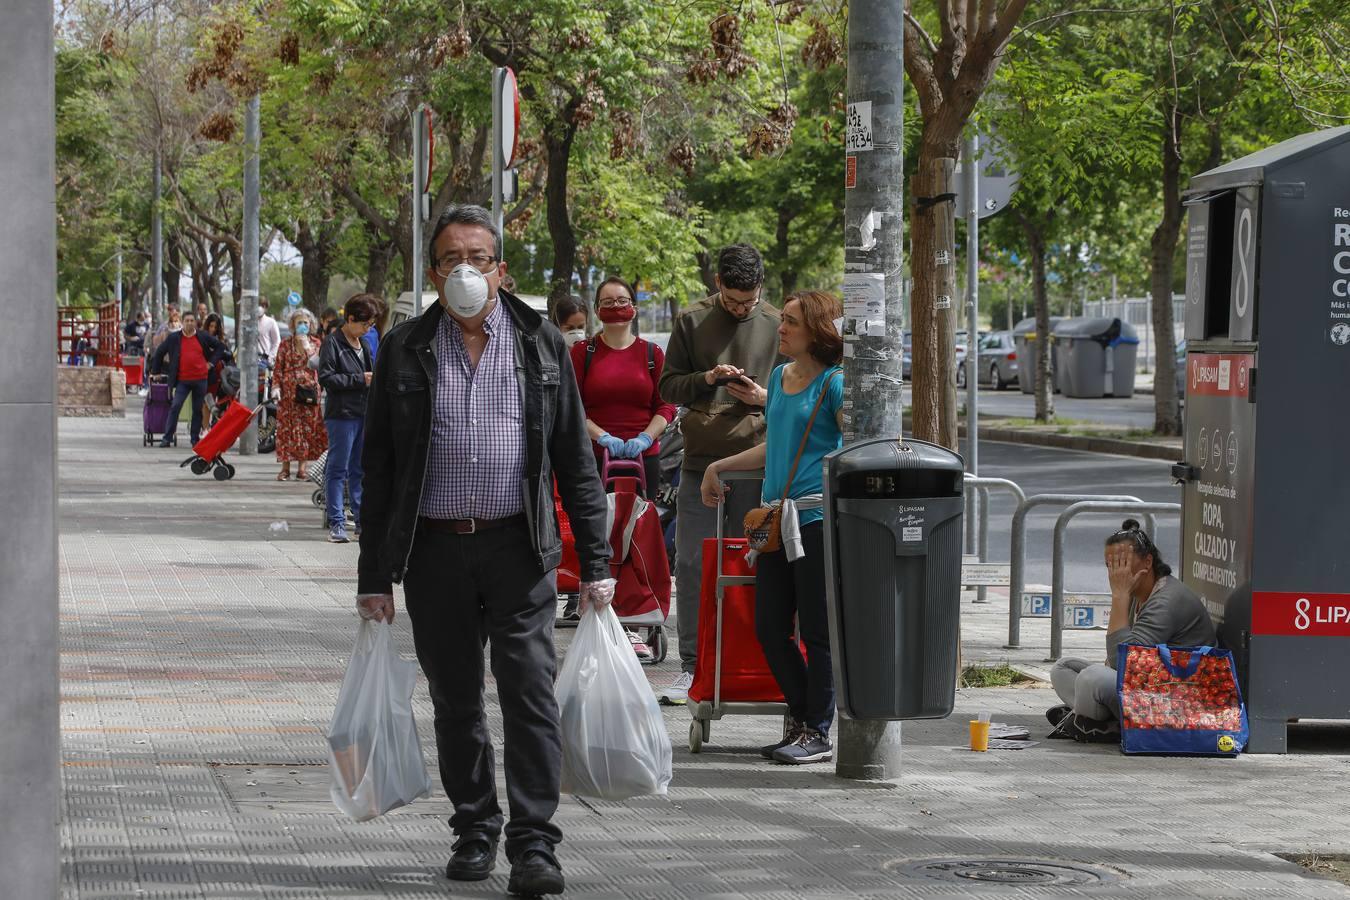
{"points": [[1173, 614], [716, 424]]}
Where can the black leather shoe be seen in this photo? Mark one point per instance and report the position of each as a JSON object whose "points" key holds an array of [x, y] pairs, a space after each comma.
{"points": [[534, 874], [474, 858]]}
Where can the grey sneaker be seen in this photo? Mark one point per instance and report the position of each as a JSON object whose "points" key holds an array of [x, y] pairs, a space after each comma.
{"points": [[810, 746], [677, 692], [791, 729], [338, 534]]}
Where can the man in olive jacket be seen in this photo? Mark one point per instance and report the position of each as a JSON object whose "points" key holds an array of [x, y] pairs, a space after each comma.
{"points": [[473, 411], [730, 337]]}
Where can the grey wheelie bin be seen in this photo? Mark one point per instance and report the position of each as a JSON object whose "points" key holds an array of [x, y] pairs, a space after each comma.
{"points": [[1096, 357], [1024, 340], [893, 577]]}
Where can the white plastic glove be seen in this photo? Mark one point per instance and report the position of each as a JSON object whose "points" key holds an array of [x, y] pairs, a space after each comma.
{"points": [[598, 594], [379, 607]]}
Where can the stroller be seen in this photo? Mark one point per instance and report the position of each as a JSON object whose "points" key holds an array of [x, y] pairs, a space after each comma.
{"points": [[267, 405], [208, 454]]}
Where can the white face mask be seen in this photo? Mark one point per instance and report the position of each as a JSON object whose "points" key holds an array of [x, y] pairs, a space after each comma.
{"points": [[465, 292], [574, 336]]}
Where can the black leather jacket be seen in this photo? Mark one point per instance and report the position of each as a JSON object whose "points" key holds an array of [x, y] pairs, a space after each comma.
{"points": [[342, 372], [398, 440]]}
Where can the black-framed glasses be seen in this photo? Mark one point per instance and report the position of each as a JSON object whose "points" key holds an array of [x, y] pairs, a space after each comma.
{"points": [[740, 304], [444, 266], [616, 302]]}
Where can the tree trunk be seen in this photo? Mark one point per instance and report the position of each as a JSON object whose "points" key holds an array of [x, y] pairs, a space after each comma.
{"points": [[559, 149], [1045, 384], [378, 257], [173, 270], [932, 314], [1166, 409], [787, 272], [316, 252], [706, 271]]}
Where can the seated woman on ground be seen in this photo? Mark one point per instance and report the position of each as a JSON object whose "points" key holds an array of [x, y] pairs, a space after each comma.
{"points": [[1148, 606]]}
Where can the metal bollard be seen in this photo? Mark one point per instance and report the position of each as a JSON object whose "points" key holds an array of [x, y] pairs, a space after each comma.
{"points": [[1018, 549], [983, 486], [1057, 558]]}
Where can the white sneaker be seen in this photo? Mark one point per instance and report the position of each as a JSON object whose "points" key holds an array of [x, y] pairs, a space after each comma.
{"points": [[677, 692], [644, 653]]}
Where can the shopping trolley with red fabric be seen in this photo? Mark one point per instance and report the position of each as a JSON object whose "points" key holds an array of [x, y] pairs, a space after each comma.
{"points": [[208, 454], [731, 675]]}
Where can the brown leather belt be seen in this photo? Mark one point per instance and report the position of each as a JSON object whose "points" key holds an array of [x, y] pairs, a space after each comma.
{"points": [[469, 526]]}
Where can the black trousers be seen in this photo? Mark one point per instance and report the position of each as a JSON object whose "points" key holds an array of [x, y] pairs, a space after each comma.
{"points": [[784, 591], [462, 593]]}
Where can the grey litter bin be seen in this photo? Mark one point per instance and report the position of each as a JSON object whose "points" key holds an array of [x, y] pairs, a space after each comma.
{"points": [[1096, 357], [1024, 340], [893, 577]]}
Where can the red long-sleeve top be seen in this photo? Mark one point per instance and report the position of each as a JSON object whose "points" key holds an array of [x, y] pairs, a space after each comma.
{"points": [[618, 391]]}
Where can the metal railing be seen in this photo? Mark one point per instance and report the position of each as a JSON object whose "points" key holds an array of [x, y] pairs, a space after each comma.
{"points": [[1018, 549], [983, 486], [1057, 554]]}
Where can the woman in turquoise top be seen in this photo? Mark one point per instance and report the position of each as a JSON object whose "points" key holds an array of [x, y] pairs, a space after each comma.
{"points": [[788, 589]]}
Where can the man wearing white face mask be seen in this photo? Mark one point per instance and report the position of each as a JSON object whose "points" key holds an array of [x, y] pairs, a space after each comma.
{"points": [[473, 412]]}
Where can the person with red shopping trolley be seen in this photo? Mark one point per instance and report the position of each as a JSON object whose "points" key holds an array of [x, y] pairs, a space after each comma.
{"points": [[786, 533], [619, 374]]}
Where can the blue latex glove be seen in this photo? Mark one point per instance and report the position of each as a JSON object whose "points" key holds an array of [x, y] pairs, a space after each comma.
{"points": [[635, 447], [612, 444]]}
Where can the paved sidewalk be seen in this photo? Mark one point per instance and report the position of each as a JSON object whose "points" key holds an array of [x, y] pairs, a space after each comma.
{"points": [[201, 656]]}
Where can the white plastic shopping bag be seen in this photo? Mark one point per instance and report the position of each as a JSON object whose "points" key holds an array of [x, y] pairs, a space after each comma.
{"points": [[374, 756], [614, 738]]}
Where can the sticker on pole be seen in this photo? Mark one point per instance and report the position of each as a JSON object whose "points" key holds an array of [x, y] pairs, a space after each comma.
{"points": [[858, 136], [850, 171], [985, 574], [294, 298]]}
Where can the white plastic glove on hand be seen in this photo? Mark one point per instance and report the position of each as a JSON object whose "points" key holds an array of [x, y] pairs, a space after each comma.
{"points": [[379, 607], [597, 593]]}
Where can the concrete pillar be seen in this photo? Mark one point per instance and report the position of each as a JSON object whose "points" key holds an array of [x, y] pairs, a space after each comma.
{"points": [[29, 723]]}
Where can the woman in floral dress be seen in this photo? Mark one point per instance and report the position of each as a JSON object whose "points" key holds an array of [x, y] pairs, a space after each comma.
{"points": [[301, 435]]}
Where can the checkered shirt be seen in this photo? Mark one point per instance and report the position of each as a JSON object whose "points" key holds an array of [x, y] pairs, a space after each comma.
{"points": [[477, 456]]}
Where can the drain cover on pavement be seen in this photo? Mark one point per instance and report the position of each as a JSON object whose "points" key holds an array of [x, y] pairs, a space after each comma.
{"points": [[1001, 870]]}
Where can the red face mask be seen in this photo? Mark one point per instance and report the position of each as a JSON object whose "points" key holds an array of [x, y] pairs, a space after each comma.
{"points": [[614, 314]]}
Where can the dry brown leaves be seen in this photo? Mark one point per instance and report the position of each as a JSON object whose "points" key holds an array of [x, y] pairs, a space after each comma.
{"points": [[774, 133]]}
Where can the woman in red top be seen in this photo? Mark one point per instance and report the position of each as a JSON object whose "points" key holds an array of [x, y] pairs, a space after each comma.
{"points": [[618, 374]]}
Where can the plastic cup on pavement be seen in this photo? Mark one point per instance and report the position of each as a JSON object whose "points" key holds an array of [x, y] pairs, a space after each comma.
{"points": [[979, 735]]}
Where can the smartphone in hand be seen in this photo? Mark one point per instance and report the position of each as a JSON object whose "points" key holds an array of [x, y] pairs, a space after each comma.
{"points": [[728, 379]]}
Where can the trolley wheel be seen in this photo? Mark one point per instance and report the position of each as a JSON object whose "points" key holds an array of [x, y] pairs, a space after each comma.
{"points": [[656, 639], [696, 735], [145, 439], [199, 466], [228, 468], [317, 497], [221, 473]]}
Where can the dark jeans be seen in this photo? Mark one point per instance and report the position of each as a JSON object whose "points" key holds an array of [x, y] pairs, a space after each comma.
{"points": [[180, 393], [783, 590], [343, 468], [463, 591], [651, 466]]}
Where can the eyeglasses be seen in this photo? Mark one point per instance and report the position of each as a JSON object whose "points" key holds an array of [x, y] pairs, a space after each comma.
{"points": [[443, 267], [616, 302], [740, 304]]}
